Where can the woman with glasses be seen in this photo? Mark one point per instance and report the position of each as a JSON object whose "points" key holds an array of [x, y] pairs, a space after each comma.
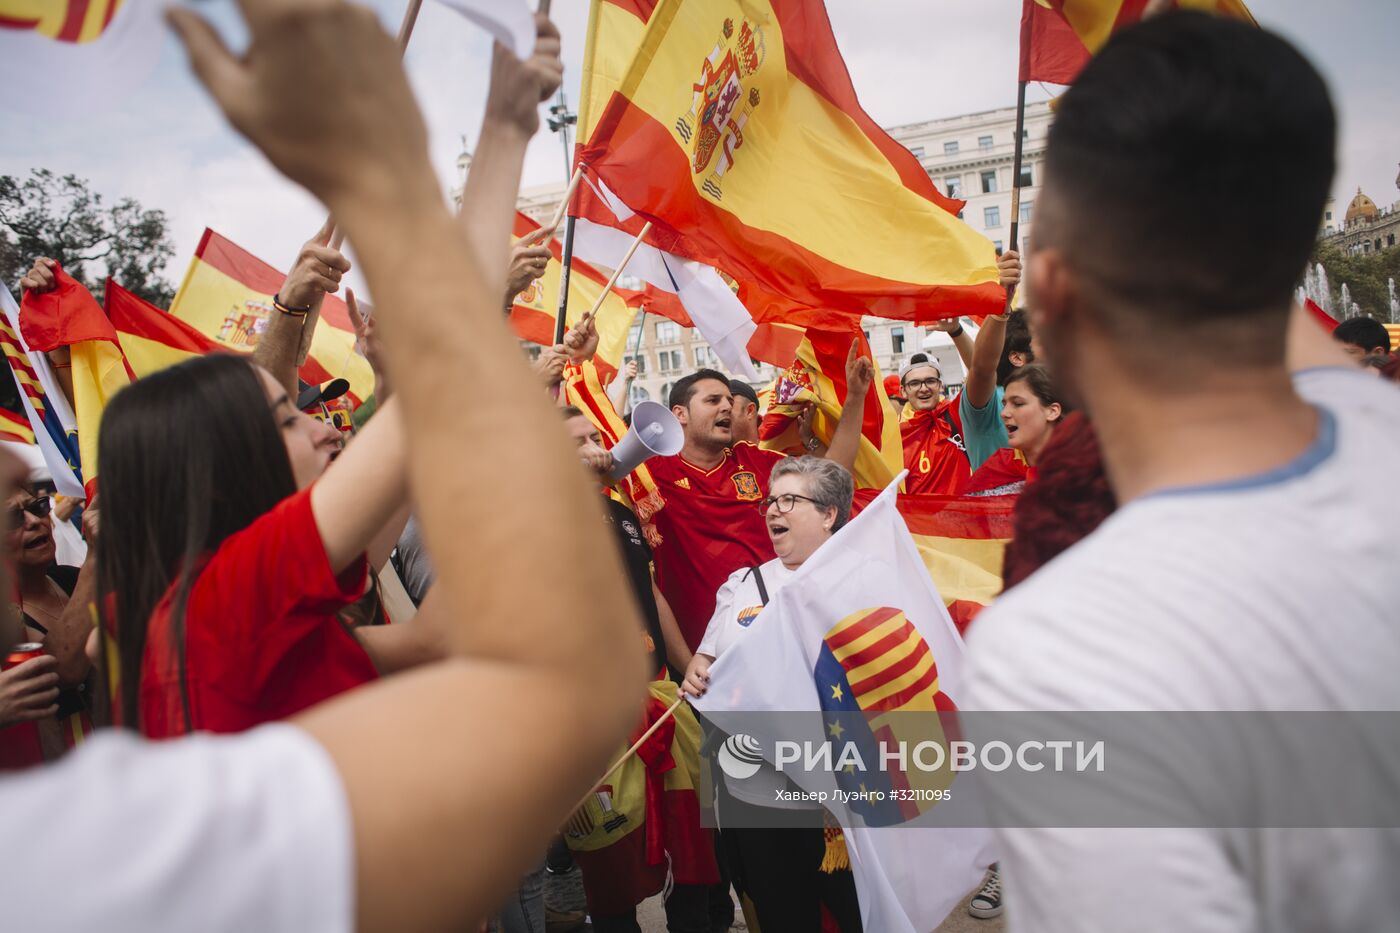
{"points": [[779, 869], [43, 701]]}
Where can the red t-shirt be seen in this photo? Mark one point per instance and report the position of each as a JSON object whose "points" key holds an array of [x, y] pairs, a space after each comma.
{"points": [[710, 527], [262, 641], [933, 451]]}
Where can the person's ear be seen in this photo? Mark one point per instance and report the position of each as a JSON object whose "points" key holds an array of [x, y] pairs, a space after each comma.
{"points": [[1054, 413], [682, 414]]}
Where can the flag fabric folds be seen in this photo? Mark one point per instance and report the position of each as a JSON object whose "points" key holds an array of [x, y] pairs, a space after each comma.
{"points": [[227, 296], [1059, 36], [859, 625], [508, 21], [818, 376], [84, 53], [15, 428], [45, 405], [151, 338], [736, 130], [68, 316]]}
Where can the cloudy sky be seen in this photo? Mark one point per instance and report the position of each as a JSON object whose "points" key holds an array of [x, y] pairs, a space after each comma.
{"points": [[911, 60]]}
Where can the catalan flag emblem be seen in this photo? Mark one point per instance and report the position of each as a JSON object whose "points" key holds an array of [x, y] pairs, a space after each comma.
{"points": [[872, 671], [75, 21]]}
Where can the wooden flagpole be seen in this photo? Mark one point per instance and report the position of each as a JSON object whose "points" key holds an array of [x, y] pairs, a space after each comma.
{"points": [[617, 273], [308, 326], [629, 753]]}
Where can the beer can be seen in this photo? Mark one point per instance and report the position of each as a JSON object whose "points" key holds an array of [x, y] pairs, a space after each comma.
{"points": [[21, 653]]}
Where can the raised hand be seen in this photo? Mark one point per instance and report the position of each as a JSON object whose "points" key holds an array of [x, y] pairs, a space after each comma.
{"points": [[316, 272], [629, 371], [598, 459], [40, 277], [367, 339], [860, 373], [550, 365], [518, 88], [947, 326], [321, 91], [528, 260], [581, 341], [1009, 270]]}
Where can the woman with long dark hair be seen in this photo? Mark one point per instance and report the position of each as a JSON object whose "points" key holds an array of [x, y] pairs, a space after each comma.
{"points": [[226, 554], [1031, 409]]}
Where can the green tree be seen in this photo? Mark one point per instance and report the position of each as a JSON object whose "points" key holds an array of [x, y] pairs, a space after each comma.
{"points": [[61, 217], [1365, 276]]}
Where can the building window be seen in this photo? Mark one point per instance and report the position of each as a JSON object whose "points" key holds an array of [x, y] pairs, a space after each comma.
{"points": [[953, 185], [989, 182], [532, 352], [669, 361], [668, 332], [1390, 240], [997, 245], [639, 394], [896, 339], [984, 142], [1026, 211], [867, 334], [950, 148], [1026, 180], [634, 333], [1025, 134], [917, 152], [705, 358], [991, 217], [1329, 215], [664, 396]]}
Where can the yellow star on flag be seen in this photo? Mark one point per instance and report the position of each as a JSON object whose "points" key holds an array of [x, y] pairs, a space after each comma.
{"points": [[835, 730], [836, 691]]}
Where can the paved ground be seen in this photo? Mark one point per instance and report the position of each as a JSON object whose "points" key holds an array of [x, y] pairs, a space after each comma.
{"points": [[564, 892]]}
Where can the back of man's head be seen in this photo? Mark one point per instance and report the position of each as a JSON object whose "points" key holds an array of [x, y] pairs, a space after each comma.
{"points": [[1366, 334], [1185, 178]]}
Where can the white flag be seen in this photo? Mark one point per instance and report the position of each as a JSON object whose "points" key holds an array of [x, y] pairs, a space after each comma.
{"points": [[863, 605], [509, 21], [717, 312]]}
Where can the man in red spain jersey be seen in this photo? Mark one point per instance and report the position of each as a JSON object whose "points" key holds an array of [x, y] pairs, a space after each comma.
{"points": [[711, 525], [933, 449]]}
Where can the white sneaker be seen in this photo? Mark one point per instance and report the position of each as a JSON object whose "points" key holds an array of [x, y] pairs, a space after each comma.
{"points": [[986, 903]]}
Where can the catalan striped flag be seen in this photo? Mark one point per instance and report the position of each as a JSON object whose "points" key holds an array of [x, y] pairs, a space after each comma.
{"points": [[15, 428], [227, 296], [68, 316], [736, 130], [50, 415], [818, 377], [1059, 36], [584, 390], [84, 53]]}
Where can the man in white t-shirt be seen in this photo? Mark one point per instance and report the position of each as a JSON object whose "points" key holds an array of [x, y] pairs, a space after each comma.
{"points": [[1250, 565]]}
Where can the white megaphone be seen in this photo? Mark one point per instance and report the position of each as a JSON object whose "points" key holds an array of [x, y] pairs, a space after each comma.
{"points": [[655, 431]]}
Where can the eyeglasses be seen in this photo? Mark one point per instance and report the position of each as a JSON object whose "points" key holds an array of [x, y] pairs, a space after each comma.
{"points": [[38, 507], [785, 503], [930, 383]]}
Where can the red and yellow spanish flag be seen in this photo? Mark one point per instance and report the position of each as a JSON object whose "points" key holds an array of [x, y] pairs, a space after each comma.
{"points": [[536, 308], [227, 296], [68, 316], [818, 376], [962, 540], [736, 130], [1059, 36], [151, 339]]}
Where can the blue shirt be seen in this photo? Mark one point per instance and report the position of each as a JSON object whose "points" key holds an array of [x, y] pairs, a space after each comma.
{"points": [[984, 433]]}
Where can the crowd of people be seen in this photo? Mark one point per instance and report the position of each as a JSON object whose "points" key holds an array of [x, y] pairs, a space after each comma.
{"points": [[388, 651]]}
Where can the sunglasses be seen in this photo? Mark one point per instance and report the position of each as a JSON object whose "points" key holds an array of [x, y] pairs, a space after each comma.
{"points": [[38, 507]]}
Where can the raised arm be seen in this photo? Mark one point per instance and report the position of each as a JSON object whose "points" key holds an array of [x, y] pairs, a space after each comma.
{"points": [[316, 272], [845, 440], [986, 350], [552, 658], [512, 117], [961, 341]]}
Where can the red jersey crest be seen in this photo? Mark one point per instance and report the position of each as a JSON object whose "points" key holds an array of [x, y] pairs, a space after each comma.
{"points": [[746, 486]]}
